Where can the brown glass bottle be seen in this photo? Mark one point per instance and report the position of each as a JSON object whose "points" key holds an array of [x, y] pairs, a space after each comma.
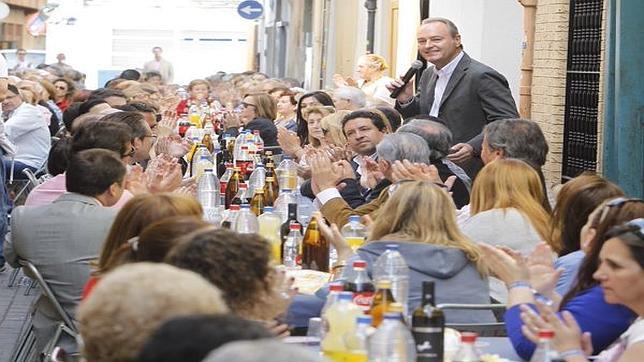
{"points": [[271, 191], [428, 327], [382, 300], [257, 202], [232, 187], [315, 249], [207, 141]]}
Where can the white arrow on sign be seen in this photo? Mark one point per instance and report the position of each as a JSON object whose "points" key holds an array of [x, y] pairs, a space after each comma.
{"points": [[249, 9]]}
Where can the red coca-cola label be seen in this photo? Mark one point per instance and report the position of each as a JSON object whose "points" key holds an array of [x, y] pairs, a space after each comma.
{"points": [[222, 187], [363, 300]]}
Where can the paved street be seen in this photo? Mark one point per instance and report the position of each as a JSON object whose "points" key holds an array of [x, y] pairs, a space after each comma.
{"points": [[14, 306]]}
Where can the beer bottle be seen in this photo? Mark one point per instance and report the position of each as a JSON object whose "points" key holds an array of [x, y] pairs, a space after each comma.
{"points": [[315, 249], [428, 327], [271, 190], [242, 195], [381, 301], [232, 187], [257, 202], [360, 285], [207, 141], [285, 228]]}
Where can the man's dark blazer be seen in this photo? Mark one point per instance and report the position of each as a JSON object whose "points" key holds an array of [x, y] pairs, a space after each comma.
{"points": [[475, 95]]}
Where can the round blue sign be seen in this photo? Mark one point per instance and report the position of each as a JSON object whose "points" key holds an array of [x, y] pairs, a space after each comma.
{"points": [[250, 9]]}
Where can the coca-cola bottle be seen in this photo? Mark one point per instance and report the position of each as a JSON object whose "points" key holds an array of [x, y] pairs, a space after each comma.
{"points": [[360, 285]]}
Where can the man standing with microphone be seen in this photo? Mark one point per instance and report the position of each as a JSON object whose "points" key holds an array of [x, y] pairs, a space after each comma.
{"points": [[463, 92]]}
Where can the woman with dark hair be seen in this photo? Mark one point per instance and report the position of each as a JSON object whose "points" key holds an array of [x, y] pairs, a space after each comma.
{"points": [[64, 93], [575, 201], [311, 99], [585, 301], [621, 275]]}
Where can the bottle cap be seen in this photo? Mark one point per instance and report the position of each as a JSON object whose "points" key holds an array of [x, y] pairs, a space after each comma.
{"points": [[295, 226], [259, 191], [468, 337], [336, 287], [392, 246], [383, 284], [234, 207], [245, 206], [268, 209], [364, 319], [244, 147], [270, 178], [345, 296], [286, 190], [236, 168], [546, 333], [255, 132], [393, 315], [354, 218], [243, 185], [207, 170], [359, 264]]}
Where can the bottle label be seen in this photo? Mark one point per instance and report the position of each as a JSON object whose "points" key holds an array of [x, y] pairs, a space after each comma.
{"points": [[363, 300], [429, 343]]}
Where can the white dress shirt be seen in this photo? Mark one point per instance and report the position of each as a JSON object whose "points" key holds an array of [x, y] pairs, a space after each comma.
{"points": [[444, 74], [27, 130]]}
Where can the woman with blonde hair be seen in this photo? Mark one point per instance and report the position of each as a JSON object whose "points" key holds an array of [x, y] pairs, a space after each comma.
{"points": [[371, 79], [331, 126], [506, 208], [136, 215], [421, 222]]}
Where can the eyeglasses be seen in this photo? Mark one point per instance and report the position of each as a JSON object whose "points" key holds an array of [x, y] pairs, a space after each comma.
{"points": [[244, 104], [614, 203], [129, 154]]}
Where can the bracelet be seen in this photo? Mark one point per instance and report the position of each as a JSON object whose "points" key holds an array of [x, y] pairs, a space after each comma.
{"points": [[339, 266], [572, 352], [519, 284]]}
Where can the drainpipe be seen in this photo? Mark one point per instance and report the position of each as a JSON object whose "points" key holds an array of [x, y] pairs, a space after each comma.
{"points": [[371, 6], [525, 87]]}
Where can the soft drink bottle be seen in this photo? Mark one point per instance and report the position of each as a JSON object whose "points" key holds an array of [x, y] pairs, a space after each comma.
{"points": [[193, 116], [545, 352], [269, 227], [242, 195], [360, 285], [428, 327], [315, 249], [257, 178], [392, 266], [354, 232], [208, 193], [382, 299], [341, 320], [230, 216], [287, 173], [246, 221], [258, 142], [291, 250], [392, 341], [358, 340], [467, 352], [225, 177]]}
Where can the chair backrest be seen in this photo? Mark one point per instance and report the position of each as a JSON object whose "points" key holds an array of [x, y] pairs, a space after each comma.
{"points": [[31, 177], [28, 266], [491, 329]]}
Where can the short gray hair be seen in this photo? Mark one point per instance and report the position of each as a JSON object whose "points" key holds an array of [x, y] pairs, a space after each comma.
{"points": [[403, 146], [352, 94], [518, 138], [437, 136], [451, 27], [267, 350]]}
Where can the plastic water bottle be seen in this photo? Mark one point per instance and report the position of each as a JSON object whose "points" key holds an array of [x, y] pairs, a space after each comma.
{"points": [[354, 232], [341, 321], [392, 266], [392, 341], [246, 222], [467, 351], [287, 174], [269, 228], [280, 205], [208, 193], [258, 142], [334, 291], [230, 216], [358, 341], [200, 160], [257, 178], [544, 351], [291, 255]]}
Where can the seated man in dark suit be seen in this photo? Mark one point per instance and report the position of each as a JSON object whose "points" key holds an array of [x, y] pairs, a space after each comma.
{"points": [[439, 140], [62, 238]]}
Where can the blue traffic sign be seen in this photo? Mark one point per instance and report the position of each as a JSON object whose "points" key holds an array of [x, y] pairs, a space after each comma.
{"points": [[250, 9]]}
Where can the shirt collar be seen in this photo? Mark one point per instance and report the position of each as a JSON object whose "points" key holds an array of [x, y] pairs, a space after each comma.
{"points": [[448, 69]]}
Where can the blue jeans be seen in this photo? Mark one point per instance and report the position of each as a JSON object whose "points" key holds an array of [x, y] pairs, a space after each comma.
{"points": [[17, 169]]}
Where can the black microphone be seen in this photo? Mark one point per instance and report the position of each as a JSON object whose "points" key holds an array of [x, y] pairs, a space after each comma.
{"points": [[417, 64]]}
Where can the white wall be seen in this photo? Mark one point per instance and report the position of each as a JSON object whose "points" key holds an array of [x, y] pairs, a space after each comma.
{"points": [[491, 31], [90, 45]]}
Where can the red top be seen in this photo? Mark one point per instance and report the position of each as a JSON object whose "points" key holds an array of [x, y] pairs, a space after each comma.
{"points": [[89, 286], [182, 107], [63, 105]]}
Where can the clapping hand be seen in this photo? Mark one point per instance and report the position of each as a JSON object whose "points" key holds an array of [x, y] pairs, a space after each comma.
{"points": [[506, 264], [461, 152], [135, 180], [173, 145], [168, 124], [324, 173], [372, 173], [163, 174], [543, 275], [333, 235], [289, 142], [405, 170]]}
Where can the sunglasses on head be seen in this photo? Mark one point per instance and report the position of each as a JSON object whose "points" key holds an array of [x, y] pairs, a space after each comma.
{"points": [[635, 226]]}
